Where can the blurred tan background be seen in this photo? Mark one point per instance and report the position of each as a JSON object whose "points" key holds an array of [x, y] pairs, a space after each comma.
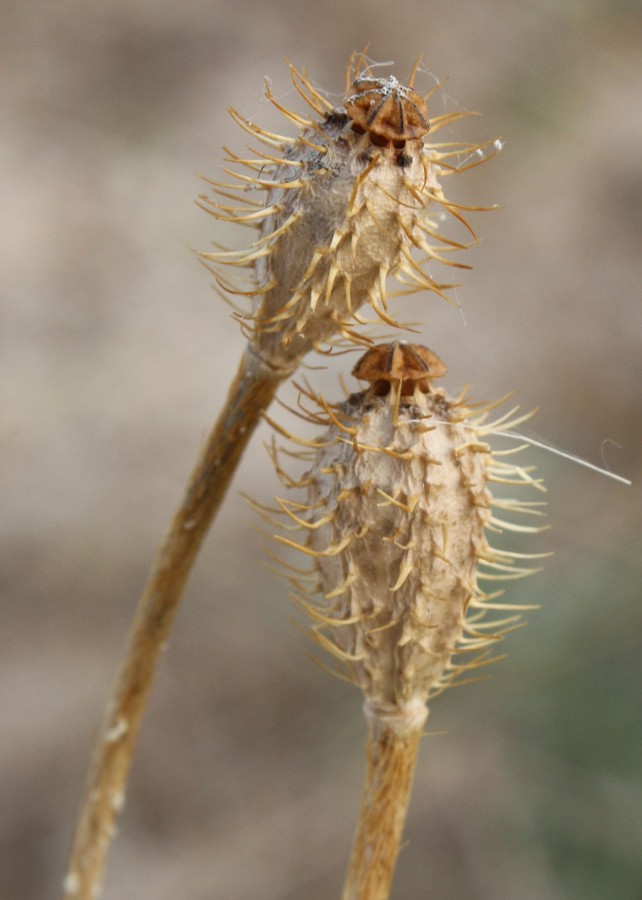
{"points": [[116, 355]]}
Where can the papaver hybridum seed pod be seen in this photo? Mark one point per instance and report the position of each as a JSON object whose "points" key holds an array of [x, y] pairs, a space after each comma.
{"points": [[397, 516], [345, 204]]}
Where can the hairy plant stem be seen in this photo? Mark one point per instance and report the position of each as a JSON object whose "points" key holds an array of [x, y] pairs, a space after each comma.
{"points": [[250, 394], [392, 747]]}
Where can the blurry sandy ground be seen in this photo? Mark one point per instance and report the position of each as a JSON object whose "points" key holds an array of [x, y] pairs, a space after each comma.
{"points": [[115, 359]]}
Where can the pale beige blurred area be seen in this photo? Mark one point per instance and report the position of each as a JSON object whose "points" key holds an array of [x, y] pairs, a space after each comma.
{"points": [[115, 359]]}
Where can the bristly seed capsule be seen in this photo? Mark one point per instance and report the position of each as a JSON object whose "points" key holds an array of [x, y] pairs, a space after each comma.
{"points": [[347, 203], [396, 517]]}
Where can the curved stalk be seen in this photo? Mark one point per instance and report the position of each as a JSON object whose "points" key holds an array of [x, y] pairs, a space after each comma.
{"points": [[250, 394]]}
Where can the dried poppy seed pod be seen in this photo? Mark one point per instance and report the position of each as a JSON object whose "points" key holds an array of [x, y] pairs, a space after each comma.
{"points": [[346, 204], [396, 516]]}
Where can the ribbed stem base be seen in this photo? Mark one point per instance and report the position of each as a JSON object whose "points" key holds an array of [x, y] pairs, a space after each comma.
{"points": [[392, 747]]}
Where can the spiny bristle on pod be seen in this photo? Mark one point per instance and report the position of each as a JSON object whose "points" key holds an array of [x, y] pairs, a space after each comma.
{"points": [[396, 522], [339, 207]]}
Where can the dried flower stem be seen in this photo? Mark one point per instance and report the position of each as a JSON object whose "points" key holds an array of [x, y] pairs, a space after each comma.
{"points": [[250, 394], [393, 744]]}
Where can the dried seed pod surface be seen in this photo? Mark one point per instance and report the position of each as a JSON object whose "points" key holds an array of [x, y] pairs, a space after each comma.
{"points": [[396, 515], [346, 204], [411, 520]]}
